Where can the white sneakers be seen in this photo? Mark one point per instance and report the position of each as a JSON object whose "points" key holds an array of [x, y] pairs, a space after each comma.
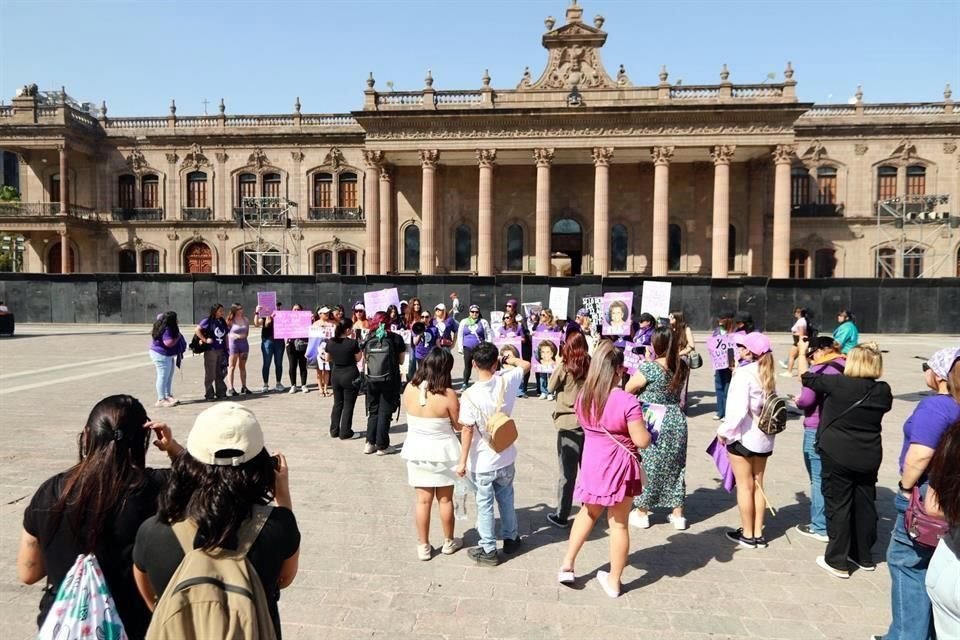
{"points": [[279, 388], [450, 547], [369, 448], [642, 520], [293, 389], [424, 551], [304, 389], [679, 523], [265, 389]]}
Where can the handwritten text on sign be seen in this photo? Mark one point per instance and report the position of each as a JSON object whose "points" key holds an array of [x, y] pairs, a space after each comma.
{"points": [[292, 324]]}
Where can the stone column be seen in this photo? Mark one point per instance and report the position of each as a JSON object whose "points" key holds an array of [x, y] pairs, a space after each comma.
{"points": [[64, 183], [486, 158], [222, 205], [428, 247], [64, 243], [601, 210], [173, 211], [544, 159], [722, 156], [386, 220], [782, 158], [371, 205], [661, 212]]}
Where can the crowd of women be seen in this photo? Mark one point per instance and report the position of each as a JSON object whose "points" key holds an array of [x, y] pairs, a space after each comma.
{"points": [[621, 446]]}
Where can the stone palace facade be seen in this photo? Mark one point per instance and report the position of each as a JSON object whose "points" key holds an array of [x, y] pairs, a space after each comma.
{"points": [[575, 170]]}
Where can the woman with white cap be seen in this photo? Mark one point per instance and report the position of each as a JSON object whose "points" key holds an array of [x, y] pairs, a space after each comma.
{"points": [[446, 327], [219, 497], [473, 331], [747, 446], [320, 331]]}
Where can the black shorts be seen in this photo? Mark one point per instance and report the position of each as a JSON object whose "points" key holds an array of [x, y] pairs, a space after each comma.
{"points": [[796, 340], [737, 449]]}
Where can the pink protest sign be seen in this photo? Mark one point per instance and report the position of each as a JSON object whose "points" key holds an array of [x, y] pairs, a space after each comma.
{"points": [[292, 324], [631, 360], [267, 301], [546, 348], [503, 340], [720, 348], [617, 308]]}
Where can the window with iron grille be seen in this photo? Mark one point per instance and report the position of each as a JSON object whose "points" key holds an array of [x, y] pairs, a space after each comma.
{"points": [[127, 196], [323, 190], [196, 190], [348, 190]]}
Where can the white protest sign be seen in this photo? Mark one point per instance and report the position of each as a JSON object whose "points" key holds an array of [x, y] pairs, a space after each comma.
{"points": [[655, 299], [559, 299]]}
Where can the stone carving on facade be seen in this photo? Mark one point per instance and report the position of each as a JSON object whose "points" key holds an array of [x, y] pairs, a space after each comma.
{"points": [[661, 155], [860, 148], [905, 150], [816, 152], [622, 79], [136, 162], [196, 236], [385, 172], [949, 147], [28, 91], [429, 158], [297, 155], [543, 157], [373, 158], [574, 99], [506, 131], [334, 158], [486, 158], [601, 156], [195, 159], [172, 236], [172, 158], [257, 159], [784, 153], [222, 156], [723, 153], [222, 236]]}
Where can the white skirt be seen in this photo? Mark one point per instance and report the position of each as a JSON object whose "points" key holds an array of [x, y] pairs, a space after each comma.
{"points": [[421, 473]]}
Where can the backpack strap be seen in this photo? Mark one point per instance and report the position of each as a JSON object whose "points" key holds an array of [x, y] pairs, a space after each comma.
{"points": [[186, 530]]}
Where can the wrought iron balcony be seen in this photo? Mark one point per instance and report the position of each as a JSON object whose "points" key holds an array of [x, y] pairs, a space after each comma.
{"points": [[136, 213], [260, 215], [17, 209], [197, 214], [335, 213], [817, 210]]}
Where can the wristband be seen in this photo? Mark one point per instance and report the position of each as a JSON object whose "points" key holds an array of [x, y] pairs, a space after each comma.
{"points": [[904, 489]]}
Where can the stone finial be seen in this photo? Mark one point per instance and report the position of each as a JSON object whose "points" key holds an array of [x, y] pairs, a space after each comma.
{"points": [[549, 23], [370, 81], [428, 81], [574, 12], [598, 21], [663, 74], [859, 94], [724, 73], [788, 72], [486, 78], [622, 78], [63, 94], [947, 92], [103, 109], [173, 107], [296, 105], [222, 107]]}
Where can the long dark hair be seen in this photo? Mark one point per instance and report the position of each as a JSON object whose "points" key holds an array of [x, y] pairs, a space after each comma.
{"points": [[342, 327], [213, 312], [410, 315], [217, 498], [113, 450], [679, 329], [164, 322], [666, 344], [945, 475], [435, 371], [574, 352]]}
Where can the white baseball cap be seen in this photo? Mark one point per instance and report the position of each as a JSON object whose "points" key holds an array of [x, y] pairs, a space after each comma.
{"points": [[227, 434], [440, 307]]}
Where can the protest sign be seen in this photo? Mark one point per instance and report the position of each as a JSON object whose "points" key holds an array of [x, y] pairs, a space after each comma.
{"points": [[496, 321], [653, 415], [531, 308], [720, 348], [324, 332], [267, 301], [655, 299], [375, 301], [631, 360], [594, 307], [616, 313], [503, 340], [546, 347], [292, 324], [559, 302]]}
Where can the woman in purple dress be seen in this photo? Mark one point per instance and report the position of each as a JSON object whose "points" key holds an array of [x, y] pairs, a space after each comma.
{"points": [[610, 474]]}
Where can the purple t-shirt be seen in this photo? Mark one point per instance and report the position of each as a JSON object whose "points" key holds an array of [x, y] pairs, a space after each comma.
{"points": [[216, 330], [928, 422], [160, 347], [427, 342]]}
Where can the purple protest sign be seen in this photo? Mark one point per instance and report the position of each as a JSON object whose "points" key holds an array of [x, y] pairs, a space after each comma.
{"points": [[503, 340], [617, 308], [653, 415], [631, 360], [546, 347], [292, 324], [267, 301], [719, 347]]}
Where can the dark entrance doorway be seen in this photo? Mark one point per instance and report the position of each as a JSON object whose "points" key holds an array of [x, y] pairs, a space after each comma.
{"points": [[566, 248]]}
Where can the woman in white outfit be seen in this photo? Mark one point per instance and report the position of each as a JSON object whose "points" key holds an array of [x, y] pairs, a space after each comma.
{"points": [[943, 499], [432, 449]]}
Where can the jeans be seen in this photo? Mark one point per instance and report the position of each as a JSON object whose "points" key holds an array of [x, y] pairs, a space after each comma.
{"points": [[943, 587], [569, 450], [382, 403], [467, 366], [542, 380], [495, 485], [850, 503], [908, 562], [166, 365], [272, 350], [214, 368], [412, 367], [811, 460], [721, 384], [344, 400]]}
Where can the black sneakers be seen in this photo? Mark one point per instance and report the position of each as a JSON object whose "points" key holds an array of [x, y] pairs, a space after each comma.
{"points": [[553, 519], [510, 546], [478, 555], [738, 537]]}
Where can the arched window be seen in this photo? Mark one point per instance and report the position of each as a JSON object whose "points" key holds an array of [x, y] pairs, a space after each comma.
{"points": [[798, 263], [196, 190], [197, 258], [913, 262], [463, 251], [246, 187], [618, 248], [128, 261], [799, 186], [674, 247], [826, 185], [323, 190], [514, 248], [55, 259], [348, 190], [886, 182], [824, 263], [323, 261], [150, 191], [150, 259], [886, 262], [347, 262], [731, 248], [271, 185], [411, 248], [916, 180], [127, 194]]}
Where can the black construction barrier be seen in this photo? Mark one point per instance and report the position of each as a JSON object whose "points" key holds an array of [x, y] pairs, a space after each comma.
{"points": [[880, 306]]}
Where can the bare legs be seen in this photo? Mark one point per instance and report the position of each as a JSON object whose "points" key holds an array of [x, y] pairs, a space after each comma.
{"points": [[425, 498], [243, 371], [619, 537], [749, 473], [234, 358], [794, 352]]}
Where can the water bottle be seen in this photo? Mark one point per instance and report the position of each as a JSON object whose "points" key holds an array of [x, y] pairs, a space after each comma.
{"points": [[460, 490]]}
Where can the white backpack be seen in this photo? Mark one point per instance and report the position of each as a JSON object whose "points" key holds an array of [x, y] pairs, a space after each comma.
{"points": [[83, 607]]}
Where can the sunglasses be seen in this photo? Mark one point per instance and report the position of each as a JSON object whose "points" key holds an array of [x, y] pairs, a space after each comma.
{"points": [[426, 316], [474, 311]]}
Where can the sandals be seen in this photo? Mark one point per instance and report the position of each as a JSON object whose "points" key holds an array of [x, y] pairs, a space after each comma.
{"points": [[565, 576]]}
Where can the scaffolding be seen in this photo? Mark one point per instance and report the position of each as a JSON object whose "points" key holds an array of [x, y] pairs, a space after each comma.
{"points": [[271, 236], [908, 227]]}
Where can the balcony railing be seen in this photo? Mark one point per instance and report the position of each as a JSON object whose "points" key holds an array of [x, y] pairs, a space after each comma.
{"points": [[335, 213], [11, 209], [136, 213], [817, 211], [260, 215], [197, 214]]}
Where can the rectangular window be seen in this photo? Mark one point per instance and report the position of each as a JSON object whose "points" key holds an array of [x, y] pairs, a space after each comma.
{"points": [[246, 188], [196, 194], [886, 263], [799, 188], [348, 193], [151, 261], [323, 191], [151, 192], [912, 263], [916, 182], [127, 197], [347, 262], [886, 184], [271, 186], [323, 262], [827, 189]]}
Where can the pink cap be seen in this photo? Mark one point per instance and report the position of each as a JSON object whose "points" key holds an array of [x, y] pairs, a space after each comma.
{"points": [[757, 343]]}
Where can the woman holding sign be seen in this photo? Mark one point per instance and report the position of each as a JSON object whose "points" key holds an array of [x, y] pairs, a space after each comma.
{"points": [[659, 384], [320, 332]]}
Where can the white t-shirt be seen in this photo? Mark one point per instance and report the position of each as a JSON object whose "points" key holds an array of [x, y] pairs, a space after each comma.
{"points": [[478, 403], [800, 326]]}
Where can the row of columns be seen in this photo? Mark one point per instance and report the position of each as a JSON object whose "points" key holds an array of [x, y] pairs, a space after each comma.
{"points": [[378, 203]]}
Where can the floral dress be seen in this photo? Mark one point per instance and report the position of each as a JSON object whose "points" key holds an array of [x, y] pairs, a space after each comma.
{"points": [[664, 461]]}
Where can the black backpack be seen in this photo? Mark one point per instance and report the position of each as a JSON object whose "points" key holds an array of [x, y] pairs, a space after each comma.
{"points": [[381, 360], [773, 416]]}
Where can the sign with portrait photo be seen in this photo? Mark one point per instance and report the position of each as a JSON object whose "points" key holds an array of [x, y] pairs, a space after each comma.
{"points": [[617, 309], [546, 349]]}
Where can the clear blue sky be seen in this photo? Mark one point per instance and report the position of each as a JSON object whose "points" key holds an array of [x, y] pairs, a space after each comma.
{"points": [[259, 56]]}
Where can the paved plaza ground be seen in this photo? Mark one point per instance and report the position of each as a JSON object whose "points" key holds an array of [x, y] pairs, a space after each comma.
{"points": [[359, 576]]}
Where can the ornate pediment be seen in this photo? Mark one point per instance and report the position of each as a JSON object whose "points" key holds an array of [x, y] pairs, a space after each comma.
{"points": [[258, 158], [136, 162], [334, 158], [195, 159]]}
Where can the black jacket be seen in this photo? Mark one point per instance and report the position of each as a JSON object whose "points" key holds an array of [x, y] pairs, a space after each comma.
{"points": [[851, 439]]}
